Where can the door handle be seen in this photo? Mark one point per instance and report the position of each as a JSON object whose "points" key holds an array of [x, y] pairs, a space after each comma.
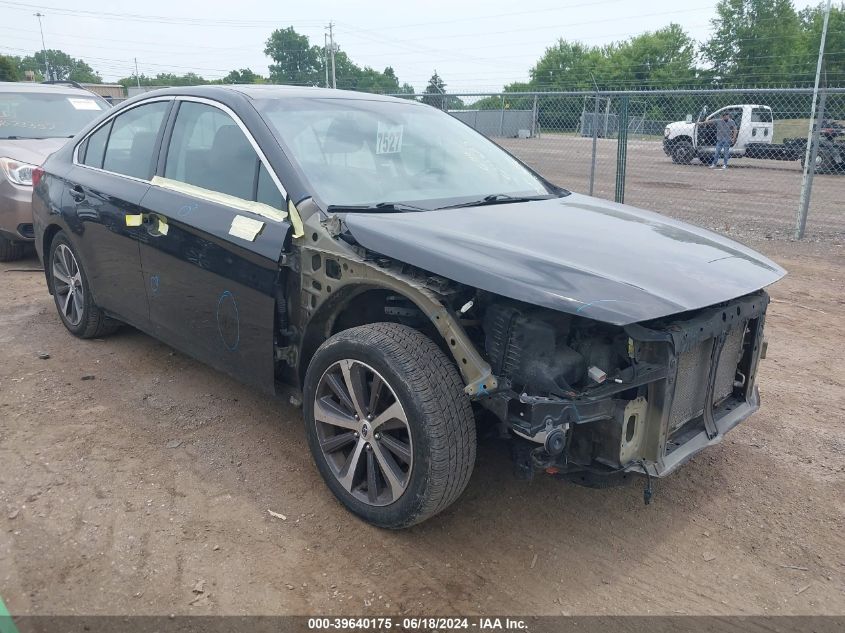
{"points": [[77, 193], [156, 224]]}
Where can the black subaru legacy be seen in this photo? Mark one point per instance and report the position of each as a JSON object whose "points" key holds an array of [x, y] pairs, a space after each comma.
{"points": [[405, 280]]}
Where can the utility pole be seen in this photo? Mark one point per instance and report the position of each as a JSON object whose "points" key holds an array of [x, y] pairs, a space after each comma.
{"points": [[326, 56], [332, 51], [812, 141], [137, 76], [40, 15]]}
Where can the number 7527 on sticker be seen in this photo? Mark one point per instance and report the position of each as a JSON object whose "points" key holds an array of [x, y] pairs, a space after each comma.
{"points": [[388, 139]]}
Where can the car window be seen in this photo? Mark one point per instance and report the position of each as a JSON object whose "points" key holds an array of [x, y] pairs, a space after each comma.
{"points": [[131, 144], [95, 147], [53, 114], [362, 152], [761, 115], [209, 150], [267, 192]]}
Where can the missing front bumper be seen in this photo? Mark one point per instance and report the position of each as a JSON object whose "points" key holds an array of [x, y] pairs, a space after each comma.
{"points": [[694, 381]]}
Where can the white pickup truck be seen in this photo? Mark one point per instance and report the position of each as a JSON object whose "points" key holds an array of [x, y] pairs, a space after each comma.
{"points": [[684, 140]]}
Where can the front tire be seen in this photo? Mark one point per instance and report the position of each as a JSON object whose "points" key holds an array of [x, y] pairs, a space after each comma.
{"points": [[72, 292], [682, 152], [388, 423]]}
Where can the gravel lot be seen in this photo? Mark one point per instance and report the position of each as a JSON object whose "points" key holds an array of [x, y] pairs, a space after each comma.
{"points": [[145, 489], [753, 199]]}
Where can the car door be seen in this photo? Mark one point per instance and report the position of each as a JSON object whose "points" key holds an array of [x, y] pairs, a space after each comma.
{"points": [[214, 233], [111, 173], [761, 125]]}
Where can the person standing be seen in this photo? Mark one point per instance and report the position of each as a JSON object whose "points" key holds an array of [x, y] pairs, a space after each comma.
{"points": [[726, 132]]}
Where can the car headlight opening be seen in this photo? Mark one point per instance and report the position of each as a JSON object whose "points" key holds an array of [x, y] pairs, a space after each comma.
{"points": [[17, 172]]}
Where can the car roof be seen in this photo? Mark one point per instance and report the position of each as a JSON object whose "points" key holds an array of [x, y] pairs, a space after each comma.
{"points": [[272, 91], [28, 86]]}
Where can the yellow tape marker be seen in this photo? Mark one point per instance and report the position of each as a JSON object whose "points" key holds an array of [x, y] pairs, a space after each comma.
{"points": [[134, 220], [295, 220]]}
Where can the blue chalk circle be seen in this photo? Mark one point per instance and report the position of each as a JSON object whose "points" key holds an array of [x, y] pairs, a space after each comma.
{"points": [[228, 321]]}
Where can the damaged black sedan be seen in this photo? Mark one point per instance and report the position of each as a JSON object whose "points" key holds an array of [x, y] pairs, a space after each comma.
{"points": [[405, 279]]}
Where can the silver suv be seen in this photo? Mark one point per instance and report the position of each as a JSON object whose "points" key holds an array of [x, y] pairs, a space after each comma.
{"points": [[35, 121]]}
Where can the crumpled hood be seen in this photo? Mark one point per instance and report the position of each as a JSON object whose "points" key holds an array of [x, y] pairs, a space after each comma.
{"points": [[575, 254], [30, 150]]}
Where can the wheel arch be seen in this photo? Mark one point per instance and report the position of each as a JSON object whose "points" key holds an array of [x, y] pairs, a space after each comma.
{"points": [[358, 304], [50, 232], [321, 324], [350, 302], [678, 139]]}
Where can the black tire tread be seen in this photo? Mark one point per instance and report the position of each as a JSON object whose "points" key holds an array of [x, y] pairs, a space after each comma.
{"points": [[448, 414], [11, 251]]}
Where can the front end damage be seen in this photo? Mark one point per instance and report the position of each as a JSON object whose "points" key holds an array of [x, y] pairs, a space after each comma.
{"points": [[590, 402], [580, 398]]}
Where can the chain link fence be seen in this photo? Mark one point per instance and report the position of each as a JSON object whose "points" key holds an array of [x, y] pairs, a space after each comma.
{"points": [[652, 149]]}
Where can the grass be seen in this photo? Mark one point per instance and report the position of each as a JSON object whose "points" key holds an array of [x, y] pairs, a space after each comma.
{"points": [[789, 128]]}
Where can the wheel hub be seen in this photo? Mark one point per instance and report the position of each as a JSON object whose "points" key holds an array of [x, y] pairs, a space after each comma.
{"points": [[67, 285], [363, 432]]}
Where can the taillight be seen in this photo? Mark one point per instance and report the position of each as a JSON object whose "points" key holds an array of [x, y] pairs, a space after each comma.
{"points": [[36, 176]]}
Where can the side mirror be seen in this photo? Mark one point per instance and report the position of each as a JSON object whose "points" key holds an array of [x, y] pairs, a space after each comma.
{"points": [[688, 119]]}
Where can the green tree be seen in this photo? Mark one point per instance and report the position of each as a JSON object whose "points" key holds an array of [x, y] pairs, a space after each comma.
{"points": [[812, 19], [435, 92], [243, 76], [569, 66], [664, 58], [8, 69], [347, 72], [164, 79], [406, 89], [755, 43], [62, 67], [295, 61], [370, 80]]}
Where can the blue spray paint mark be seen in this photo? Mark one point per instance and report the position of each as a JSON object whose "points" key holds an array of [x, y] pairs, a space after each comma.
{"points": [[155, 283], [228, 321], [187, 209]]}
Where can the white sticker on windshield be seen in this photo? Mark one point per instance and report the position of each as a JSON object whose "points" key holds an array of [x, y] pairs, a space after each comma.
{"points": [[388, 139], [84, 104]]}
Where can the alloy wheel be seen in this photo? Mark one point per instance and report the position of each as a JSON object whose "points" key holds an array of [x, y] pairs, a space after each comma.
{"points": [[67, 285], [363, 432]]}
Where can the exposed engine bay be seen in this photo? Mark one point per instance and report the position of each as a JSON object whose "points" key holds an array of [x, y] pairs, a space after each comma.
{"points": [[590, 401]]}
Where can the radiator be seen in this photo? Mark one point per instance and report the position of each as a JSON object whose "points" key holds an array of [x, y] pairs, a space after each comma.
{"points": [[693, 371]]}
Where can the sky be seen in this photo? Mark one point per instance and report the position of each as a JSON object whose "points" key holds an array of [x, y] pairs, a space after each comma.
{"points": [[473, 46]]}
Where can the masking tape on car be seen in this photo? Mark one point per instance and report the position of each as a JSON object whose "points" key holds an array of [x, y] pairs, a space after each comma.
{"points": [[245, 228], [258, 208], [295, 220]]}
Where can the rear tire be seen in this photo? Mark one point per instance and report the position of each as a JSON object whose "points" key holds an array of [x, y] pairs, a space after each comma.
{"points": [[72, 292], [824, 161], [10, 250], [430, 436]]}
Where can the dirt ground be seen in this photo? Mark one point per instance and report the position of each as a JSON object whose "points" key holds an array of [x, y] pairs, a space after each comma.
{"points": [[753, 199], [126, 492]]}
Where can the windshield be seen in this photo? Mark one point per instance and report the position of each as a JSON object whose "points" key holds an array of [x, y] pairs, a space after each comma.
{"points": [[361, 153], [46, 115]]}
